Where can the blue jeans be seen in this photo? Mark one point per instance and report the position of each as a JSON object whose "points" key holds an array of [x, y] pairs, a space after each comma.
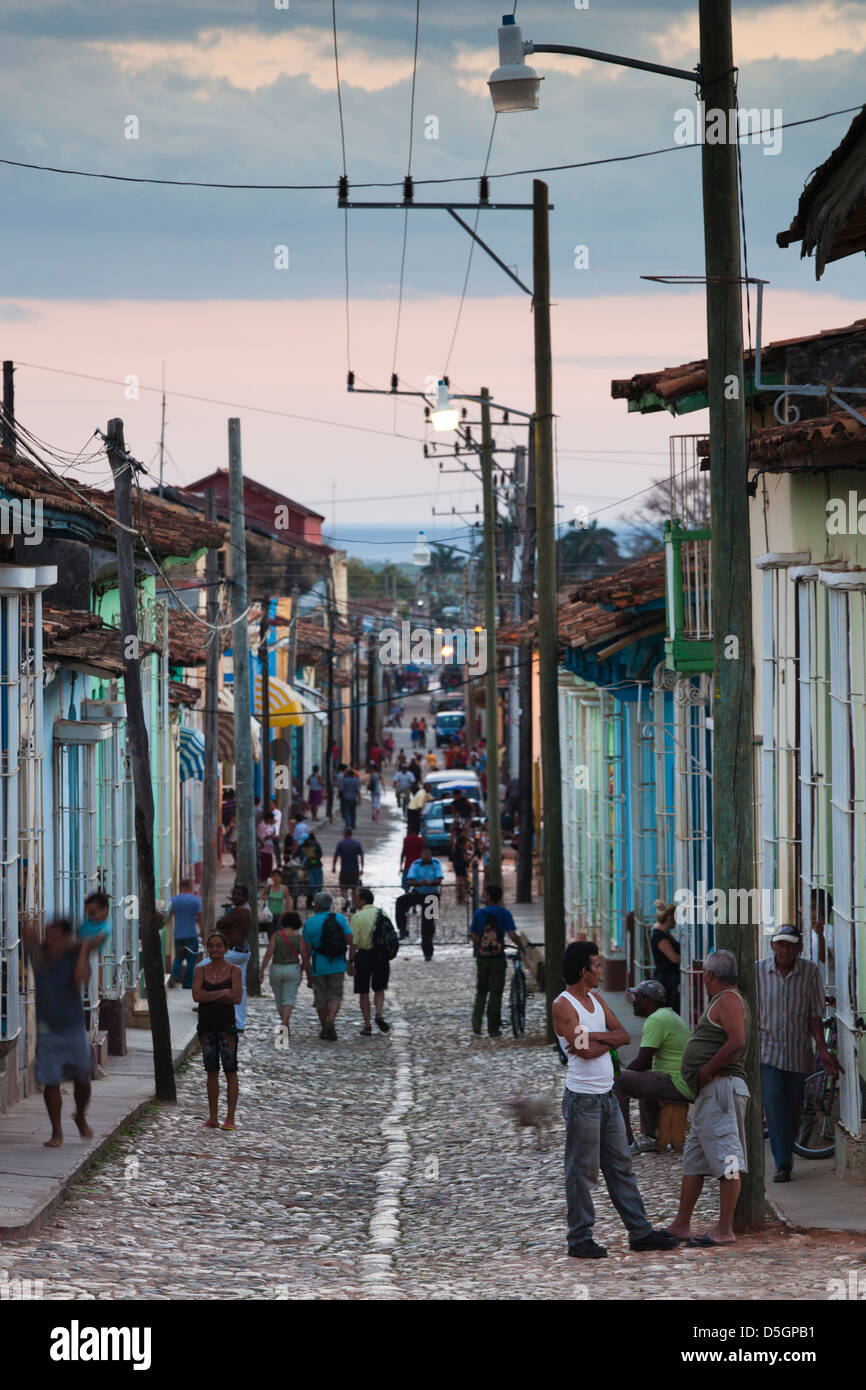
{"points": [[783, 1107], [595, 1139], [186, 949]]}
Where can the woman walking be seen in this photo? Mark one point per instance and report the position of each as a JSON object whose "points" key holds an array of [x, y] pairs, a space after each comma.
{"points": [[276, 900], [316, 789], [374, 786], [217, 987], [284, 957], [266, 834]]}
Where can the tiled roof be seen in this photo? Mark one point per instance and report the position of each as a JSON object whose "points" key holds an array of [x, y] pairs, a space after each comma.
{"points": [[815, 443], [167, 528], [181, 694], [670, 384], [831, 213], [74, 636], [609, 607], [187, 639]]}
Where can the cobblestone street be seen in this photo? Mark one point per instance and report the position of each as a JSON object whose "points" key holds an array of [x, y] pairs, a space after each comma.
{"points": [[381, 1166]]}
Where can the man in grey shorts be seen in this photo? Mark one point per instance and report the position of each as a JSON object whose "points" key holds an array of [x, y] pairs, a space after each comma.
{"points": [[712, 1067], [61, 965], [326, 974]]}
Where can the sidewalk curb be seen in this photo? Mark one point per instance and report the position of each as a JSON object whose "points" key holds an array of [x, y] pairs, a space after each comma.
{"points": [[11, 1234]]}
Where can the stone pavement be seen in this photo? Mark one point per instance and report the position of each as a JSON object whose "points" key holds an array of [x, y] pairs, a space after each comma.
{"points": [[383, 1166], [33, 1178]]}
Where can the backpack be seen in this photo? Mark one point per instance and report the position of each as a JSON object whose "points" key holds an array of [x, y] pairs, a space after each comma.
{"points": [[490, 943], [386, 942], [334, 939]]}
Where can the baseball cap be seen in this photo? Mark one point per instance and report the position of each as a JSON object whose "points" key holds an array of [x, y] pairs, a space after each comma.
{"points": [[652, 988], [789, 934]]}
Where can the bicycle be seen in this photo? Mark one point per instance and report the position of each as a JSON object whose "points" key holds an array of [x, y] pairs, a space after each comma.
{"points": [[817, 1132], [517, 994]]}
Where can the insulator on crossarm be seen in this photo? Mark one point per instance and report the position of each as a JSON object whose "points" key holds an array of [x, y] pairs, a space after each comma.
{"points": [[350, 381], [394, 381]]}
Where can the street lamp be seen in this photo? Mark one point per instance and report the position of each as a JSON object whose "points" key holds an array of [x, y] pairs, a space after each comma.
{"points": [[514, 86], [730, 578], [421, 553], [445, 416]]}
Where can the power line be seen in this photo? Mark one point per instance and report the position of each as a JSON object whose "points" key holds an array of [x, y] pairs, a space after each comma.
{"points": [[471, 252], [231, 405], [345, 175], [398, 183], [408, 184]]}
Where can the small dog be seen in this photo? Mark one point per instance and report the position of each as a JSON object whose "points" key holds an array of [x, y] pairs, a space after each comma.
{"points": [[536, 1112]]}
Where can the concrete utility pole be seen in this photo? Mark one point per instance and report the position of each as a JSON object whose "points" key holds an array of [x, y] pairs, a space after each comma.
{"points": [[136, 733], [7, 422], [210, 791], [491, 698], [731, 580], [525, 816], [246, 825], [548, 636]]}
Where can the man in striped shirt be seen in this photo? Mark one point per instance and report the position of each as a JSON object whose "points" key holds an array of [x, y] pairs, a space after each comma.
{"points": [[790, 1014]]}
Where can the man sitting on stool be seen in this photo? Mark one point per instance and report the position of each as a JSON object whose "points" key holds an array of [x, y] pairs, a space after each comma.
{"points": [[654, 1075]]}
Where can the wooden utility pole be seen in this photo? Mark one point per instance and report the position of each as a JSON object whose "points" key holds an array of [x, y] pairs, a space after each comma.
{"points": [[246, 823], [733, 771], [210, 790], [491, 694], [329, 760], [264, 625], [525, 818], [548, 636], [7, 423], [471, 686], [149, 919]]}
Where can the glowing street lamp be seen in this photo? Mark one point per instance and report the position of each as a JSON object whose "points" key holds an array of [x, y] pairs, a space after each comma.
{"points": [[445, 416]]}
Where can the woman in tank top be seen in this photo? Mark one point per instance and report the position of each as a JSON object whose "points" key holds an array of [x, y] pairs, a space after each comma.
{"points": [[216, 988]]}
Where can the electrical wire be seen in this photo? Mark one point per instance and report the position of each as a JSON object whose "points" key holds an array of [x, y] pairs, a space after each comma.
{"points": [[469, 260], [231, 405], [406, 213], [398, 183], [345, 175]]}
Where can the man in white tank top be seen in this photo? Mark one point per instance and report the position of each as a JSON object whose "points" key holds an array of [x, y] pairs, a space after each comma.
{"points": [[595, 1136]]}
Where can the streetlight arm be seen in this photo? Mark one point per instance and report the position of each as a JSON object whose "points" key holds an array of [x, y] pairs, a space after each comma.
{"points": [[690, 76]]}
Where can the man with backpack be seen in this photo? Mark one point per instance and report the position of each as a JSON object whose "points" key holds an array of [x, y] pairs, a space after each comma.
{"points": [[326, 938], [376, 945], [490, 926]]}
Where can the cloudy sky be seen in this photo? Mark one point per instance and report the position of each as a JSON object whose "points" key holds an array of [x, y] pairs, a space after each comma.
{"points": [[111, 280]]}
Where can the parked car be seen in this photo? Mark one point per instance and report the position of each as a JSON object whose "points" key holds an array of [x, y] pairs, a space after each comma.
{"points": [[446, 783], [438, 816], [448, 722], [442, 700]]}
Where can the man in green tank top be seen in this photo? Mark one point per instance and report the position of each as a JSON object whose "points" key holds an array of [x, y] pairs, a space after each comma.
{"points": [[712, 1067]]}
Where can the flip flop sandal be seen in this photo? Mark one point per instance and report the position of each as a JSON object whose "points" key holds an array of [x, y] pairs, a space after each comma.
{"points": [[225, 1126], [702, 1243], [208, 1125]]}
